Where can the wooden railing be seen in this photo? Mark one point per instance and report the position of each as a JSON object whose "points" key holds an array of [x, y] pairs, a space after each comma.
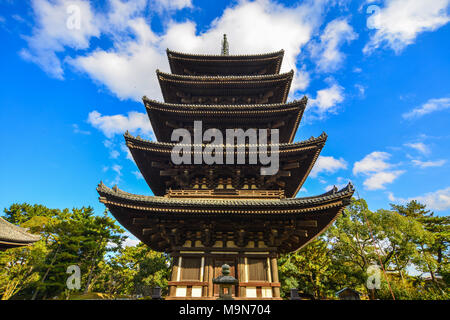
{"points": [[226, 193]]}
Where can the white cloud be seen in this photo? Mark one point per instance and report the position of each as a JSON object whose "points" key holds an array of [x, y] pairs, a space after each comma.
{"points": [[56, 29], [301, 82], [118, 170], [331, 186], [120, 13], [378, 180], [135, 122], [427, 164], [399, 22], [125, 149], [128, 70], [162, 5], [130, 241], [114, 154], [391, 196], [373, 162], [361, 89], [326, 53], [326, 100], [138, 175], [340, 183], [328, 165], [76, 129], [419, 146], [376, 169], [127, 67], [438, 200], [431, 105]]}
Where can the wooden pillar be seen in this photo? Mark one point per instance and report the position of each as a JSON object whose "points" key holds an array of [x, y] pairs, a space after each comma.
{"points": [[205, 278], [174, 276], [276, 290], [210, 275], [241, 275]]}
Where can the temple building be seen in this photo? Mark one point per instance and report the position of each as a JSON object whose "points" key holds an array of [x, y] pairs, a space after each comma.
{"points": [[207, 215], [12, 236]]}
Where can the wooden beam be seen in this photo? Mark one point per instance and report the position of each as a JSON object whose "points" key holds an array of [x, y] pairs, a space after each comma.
{"points": [[171, 125], [278, 124], [168, 173], [307, 223], [156, 164], [147, 231], [281, 183], [282, 173], [140, 220], [292, 165], [302, 233]]}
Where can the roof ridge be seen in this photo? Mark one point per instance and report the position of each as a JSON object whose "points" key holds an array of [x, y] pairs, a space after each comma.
{"points": [[322, 137], [263, 76], [115, 191], [303, 100], [231, 55]]}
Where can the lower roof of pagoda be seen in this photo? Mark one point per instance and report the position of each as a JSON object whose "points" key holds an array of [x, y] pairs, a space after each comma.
{"points": [[165, 117], [165, 223], [155, 164], [225, 65], [263, 89]]}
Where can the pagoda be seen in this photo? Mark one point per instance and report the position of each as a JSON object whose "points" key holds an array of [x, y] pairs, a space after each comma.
{"points": [[208, 215]]}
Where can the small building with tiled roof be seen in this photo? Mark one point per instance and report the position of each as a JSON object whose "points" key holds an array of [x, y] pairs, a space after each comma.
{"points": [[12, 236]]}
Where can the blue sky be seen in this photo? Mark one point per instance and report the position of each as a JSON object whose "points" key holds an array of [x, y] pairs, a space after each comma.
{"points": [[73, 73]]}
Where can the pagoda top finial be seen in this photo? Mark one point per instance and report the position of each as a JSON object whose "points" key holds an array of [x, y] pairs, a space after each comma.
{"points": [[225, 47]]}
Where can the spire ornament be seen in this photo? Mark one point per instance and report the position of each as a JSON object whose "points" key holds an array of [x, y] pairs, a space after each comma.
{"points": [[225, 46]]}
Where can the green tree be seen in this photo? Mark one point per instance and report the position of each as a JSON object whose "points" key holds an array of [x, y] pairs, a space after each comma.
{"points": [[433, 249], [19, 268], [309, 269], [76, 237], [134, 267], [361, 238]]}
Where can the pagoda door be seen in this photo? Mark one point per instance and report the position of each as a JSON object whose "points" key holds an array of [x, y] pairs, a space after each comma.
{"points": [[218, 271]]}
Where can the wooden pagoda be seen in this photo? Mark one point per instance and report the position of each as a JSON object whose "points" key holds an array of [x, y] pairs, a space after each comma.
{"points": [[205, 216]]}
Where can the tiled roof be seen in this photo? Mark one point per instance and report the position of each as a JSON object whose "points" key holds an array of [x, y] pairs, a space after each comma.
{"points": [[12, 233], [330, 196], [234, 107], [227, 57], [284, 147], [224, 79]]}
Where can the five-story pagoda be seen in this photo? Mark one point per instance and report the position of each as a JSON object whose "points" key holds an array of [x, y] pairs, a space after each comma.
{"points": [[207, 215]]}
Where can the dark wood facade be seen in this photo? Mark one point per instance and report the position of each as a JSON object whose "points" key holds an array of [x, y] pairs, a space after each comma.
{"points": [[224, 65], [228, 90], [208, 215], [165, 117]]}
